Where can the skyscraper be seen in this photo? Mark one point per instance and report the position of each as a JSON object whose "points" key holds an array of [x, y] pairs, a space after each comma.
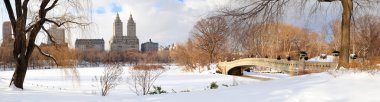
{"points": [[58, 34], [118, 26], [131, 32], [7, 33], [123, 43]]}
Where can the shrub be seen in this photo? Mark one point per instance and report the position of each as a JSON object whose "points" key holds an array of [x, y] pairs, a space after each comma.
{"points": [[214, 85], [157, 90], [110, 79], [147, 67], [142, 78]]}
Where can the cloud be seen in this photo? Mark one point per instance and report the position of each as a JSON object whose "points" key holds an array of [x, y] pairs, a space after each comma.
{"points": [[116, 7]]}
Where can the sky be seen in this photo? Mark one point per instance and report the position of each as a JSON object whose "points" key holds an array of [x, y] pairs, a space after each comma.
{"points": [[163, 21]]}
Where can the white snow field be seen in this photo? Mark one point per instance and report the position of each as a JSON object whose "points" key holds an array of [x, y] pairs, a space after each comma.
{"points": [[342, 86]]}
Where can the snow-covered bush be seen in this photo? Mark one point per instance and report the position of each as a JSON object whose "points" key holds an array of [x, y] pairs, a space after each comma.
{"points": [[112, 76], [142, 78]]}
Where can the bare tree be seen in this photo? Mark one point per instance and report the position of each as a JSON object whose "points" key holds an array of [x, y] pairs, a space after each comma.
{"points": [[279, 39], [272, 10], [112, 77], [210, 36], [189, 56], [335, 26], [366, 32], [142, 78], [28, 18]]}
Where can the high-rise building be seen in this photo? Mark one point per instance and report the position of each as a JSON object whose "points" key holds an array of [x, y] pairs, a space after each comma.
{"points": [[149, 46], [123, 43], [7, 34], [58, 34], [131, 32], [89, 44], [118, 26]]}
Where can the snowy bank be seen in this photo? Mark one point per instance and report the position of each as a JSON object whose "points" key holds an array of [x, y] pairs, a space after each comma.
{"points": [[346, 86], [322, 87]]}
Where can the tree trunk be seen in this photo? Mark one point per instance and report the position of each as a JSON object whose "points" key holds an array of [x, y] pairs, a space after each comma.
{"points": [[210, 61], [345, 36], [20, 72]]}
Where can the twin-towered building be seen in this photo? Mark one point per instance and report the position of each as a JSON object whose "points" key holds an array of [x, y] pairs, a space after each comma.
{"points": [[121, 42]]}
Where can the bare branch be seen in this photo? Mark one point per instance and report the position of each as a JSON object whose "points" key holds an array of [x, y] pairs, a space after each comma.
{"points": [[52, 5], [10, 12], [46, 55], [18, 8], [59, 24], [51, 38]]}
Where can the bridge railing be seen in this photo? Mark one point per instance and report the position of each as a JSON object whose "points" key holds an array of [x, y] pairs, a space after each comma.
{"points": [[283, 65]]}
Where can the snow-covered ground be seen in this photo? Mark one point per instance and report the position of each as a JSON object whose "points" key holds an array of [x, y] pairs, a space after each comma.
{"points": [[55, 83], [267, 75], [347, 86]]}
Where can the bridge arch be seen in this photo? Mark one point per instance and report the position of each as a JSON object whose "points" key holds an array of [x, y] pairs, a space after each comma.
{"points": [[238, 70]]}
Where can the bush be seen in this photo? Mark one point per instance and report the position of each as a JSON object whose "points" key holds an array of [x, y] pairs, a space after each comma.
{"points": [[214, 85], [142, 78], [147, 67], [110, 79], [157, 90]]}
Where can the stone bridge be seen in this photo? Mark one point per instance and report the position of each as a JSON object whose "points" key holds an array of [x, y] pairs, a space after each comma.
{"points": [[291, 67]]}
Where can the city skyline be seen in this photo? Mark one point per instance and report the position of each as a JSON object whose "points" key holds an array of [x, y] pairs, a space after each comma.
{"points": [[166, 22]]}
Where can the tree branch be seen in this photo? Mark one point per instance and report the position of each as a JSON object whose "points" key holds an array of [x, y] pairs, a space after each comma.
{"points": [[46, 55], [52, 5], [51, 38], [18, 8], [25, 9], [64, 22], [10, 13]]}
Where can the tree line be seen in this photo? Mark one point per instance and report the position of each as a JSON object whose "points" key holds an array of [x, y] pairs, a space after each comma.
{"points": [[66, 57], [215, 39]]}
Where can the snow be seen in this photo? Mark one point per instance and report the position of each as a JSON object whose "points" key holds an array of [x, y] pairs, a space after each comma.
{"points": [[333, 86], [329, 58], [268, 75], [55, 83]]}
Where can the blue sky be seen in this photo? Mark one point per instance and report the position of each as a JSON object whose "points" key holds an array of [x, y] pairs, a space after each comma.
{"points": [[116, 7]]}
